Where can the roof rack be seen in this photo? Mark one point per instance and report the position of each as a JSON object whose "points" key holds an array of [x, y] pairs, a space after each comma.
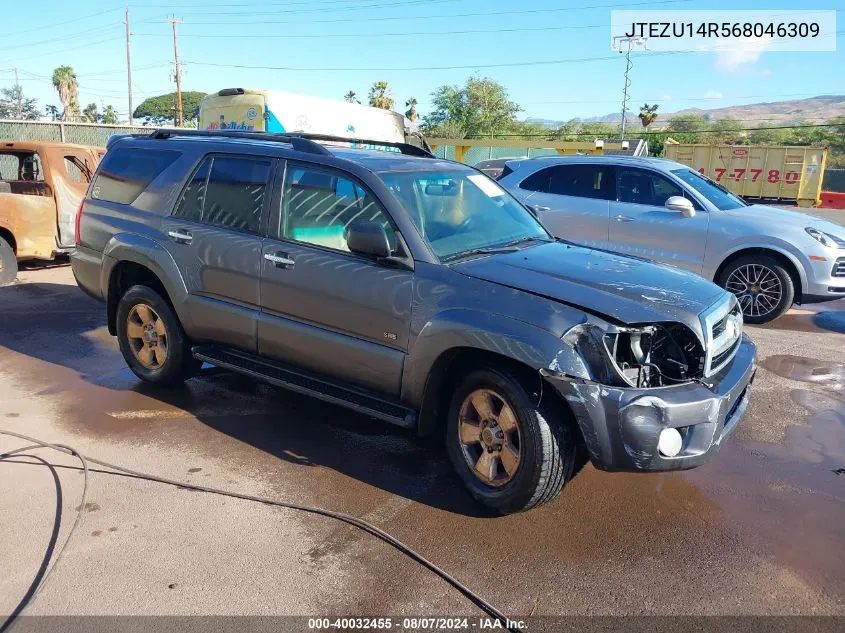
{"points": [[301, 141], [405, 148]]}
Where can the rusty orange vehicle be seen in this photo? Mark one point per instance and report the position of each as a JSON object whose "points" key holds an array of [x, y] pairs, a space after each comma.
{"points": [[41, 186]]}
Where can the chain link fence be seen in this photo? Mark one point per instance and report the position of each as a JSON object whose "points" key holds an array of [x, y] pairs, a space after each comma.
{"points": [[477, 154], [834, 180], [78, 133]]}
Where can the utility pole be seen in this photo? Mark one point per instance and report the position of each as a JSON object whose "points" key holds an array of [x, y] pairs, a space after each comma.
{"points": [[617, 44], [18, 97], [177, 120], [129, 65]]}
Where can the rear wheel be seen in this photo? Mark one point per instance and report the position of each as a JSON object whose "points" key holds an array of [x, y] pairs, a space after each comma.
{"points": [[8, 263], [511, 454], [152, 340], [761, 284]]}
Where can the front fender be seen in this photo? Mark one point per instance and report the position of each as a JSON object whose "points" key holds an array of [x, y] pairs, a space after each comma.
{"points": [[782, 247], [144, 251], [455, 329]]}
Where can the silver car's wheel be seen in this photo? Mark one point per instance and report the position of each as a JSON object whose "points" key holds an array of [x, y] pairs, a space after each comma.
{"points": [[757, 288], [762, 285]]}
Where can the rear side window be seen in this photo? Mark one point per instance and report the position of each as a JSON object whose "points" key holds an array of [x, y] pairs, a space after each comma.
{"points": [[226, 191], [538, 181], [125, 172], [583, 181]]}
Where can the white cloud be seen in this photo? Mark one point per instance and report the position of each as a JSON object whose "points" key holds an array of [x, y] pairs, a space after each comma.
{"points": [[715, 95], [666, 97], [740, 52]]}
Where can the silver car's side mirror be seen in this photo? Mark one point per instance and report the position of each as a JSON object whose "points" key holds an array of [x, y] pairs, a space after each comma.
{"points": [[681, 205]]}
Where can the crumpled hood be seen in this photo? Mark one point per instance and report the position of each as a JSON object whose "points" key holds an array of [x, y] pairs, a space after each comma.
{"points": [[624, 289], [770, 217]]}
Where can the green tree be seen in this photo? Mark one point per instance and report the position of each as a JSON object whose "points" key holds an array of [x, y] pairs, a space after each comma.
{"points": [[380, 95], [66, 84], [688, 128], [647, 115], [52, 111], [728, 131], [351, 97], [480, 108], [15, 105], [90, 114], [159, 109], [109, 115], [411, 112]]}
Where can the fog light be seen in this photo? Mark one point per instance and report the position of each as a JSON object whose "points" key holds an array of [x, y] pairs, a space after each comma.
{"points": [[669, 443]]}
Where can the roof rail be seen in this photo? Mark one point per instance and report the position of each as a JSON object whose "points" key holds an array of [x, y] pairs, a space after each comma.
{"points": [[298, 142], [405, 148], [301, 141]]}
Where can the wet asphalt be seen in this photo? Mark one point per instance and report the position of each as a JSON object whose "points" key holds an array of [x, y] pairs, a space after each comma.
{"points": [[759, 530]]}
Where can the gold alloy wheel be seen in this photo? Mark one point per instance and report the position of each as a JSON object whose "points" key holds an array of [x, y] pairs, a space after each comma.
{"points": [[490, 437], [147, 336]]}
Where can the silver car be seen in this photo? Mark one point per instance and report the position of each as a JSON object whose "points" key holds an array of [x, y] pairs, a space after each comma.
{"points": [[661, 210]]}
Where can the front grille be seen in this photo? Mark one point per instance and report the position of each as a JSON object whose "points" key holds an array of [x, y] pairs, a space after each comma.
{"points": [[839, 268], [718, 359], [723, 325]]}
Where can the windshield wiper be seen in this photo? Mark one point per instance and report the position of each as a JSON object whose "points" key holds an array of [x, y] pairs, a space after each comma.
{"points": [[493, 250], [525, 240]]}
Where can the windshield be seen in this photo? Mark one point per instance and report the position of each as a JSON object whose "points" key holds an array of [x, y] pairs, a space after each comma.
{"points": [[459, 212], [713, 191]]}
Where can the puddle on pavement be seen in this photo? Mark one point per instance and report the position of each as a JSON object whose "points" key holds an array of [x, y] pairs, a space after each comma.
{"points": [[827, 374], [832, 321]]}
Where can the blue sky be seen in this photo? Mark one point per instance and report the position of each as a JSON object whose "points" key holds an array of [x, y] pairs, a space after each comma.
{"points": [[348, 44]]}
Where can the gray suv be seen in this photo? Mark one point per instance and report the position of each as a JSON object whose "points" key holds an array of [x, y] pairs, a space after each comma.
{"points": [[413, 290], [769, 258]]}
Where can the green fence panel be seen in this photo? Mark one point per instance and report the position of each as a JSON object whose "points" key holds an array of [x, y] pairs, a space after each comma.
{"points": [[834, 180], [79, 133]]}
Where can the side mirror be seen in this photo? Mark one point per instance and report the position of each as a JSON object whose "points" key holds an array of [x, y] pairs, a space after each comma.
{"points": [[368, 239], [681, 205]]}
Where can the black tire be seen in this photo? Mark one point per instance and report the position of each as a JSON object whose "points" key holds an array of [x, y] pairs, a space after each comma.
{"points": [[547, 444], [8, 263], [751, 307], [180, 365]]}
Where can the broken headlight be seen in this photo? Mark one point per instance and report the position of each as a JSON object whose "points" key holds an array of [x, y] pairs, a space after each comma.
{"points": [[655, 355]]}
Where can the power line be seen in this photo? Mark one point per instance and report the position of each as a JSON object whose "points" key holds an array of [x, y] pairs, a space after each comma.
{"points": [[415, 68], [63, 22], [452, 15], [380, 35], [551, 132]]}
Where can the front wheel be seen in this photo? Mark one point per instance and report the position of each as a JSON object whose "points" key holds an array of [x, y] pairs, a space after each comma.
{"points": [[151, 338], [511, 453], [8, 263], [761, 284]]}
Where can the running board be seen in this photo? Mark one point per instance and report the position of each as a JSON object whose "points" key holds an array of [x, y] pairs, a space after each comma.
{"points": [[300, 382]]}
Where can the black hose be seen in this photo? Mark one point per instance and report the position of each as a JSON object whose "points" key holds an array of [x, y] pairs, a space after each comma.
{"points": [[477, 600]]}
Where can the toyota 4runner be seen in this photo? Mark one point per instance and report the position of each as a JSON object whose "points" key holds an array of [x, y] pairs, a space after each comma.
{"points": [[413, 290]]}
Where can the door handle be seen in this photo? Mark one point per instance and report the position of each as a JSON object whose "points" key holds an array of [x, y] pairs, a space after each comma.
{"points": [[181, 236], [623, 218], [280, 259]]}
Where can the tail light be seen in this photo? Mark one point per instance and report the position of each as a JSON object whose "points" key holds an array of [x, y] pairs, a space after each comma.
{"points": [[78, 222]]}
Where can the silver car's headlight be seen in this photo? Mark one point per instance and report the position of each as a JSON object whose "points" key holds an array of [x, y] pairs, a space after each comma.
{"points": [[825, 239]]}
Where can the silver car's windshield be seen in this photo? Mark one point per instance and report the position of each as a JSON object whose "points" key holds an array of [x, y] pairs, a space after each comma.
{"points": [[462, 212], [713, 191]]}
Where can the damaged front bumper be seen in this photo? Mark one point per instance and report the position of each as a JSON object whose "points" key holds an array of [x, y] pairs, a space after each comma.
{"points": [[621, 426]]}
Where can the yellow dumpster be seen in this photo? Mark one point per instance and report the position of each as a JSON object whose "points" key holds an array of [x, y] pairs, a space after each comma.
{"points": [[767, 172]]}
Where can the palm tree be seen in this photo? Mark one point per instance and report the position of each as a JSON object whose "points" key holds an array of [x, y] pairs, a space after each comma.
{"points": [[109, 115], [65, 83], [89, 114], [380, 96], [411, 112], [351, 97], [647, 114]]}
